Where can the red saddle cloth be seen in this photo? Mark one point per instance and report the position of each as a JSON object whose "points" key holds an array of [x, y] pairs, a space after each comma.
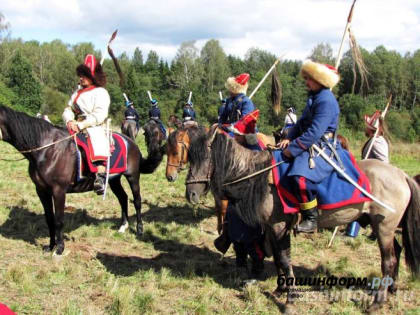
{"points": [[333, 192], [118, 160]]}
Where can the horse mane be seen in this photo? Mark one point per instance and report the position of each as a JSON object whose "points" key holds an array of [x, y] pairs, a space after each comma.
{"points": [[24, 131], [154, 150], [232, 161]]}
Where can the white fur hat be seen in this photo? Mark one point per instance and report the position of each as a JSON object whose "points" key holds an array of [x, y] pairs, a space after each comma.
{"points": [[324, 74]]}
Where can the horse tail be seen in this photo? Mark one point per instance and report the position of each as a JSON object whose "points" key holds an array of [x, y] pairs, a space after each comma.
{"points": [[411, 229]]}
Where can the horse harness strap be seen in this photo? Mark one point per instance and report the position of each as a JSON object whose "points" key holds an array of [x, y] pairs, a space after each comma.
{"points": [[50, 144]]}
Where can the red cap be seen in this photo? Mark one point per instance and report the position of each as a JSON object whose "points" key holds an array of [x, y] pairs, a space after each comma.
{"points": [[372, 122], [247, 124], [90, 62], [242, 79]]}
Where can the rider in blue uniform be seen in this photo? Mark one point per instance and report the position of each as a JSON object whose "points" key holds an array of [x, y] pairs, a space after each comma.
{"points": [[246, 240], [238, 104], [154, 113], [317, 125], [131, 113], [188, 112]]}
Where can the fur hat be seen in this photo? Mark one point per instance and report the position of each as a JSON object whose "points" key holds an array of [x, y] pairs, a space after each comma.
{"points": [[372, 122], [324, 74], [93, 70], [238, 84]]}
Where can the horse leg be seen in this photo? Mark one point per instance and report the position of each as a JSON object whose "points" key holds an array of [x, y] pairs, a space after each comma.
{"points": [[280, 244], [221, 208], [118, 190], [46, 200], [59, 197], [389, 264], [134, 182]]}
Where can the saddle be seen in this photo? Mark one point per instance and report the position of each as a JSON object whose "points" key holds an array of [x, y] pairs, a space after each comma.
{"points": [[118, 159]]}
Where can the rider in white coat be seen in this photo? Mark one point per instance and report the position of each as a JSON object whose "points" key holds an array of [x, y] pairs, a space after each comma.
{"points": [[87, 111]]}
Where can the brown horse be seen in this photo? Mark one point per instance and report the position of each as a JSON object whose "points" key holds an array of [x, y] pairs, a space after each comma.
{"points": [[52, 167], [218, 160]]}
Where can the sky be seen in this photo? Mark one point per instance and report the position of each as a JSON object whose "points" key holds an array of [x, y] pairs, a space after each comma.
{"points": [[288, 28]]}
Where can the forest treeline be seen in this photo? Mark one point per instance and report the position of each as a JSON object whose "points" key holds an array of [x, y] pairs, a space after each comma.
{"points": [[40, 77]]}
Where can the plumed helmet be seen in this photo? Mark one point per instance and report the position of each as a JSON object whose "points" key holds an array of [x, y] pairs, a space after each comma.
{"points": [[128, 103], [154, 102], [324, 74], [238, 84], [92, 69], [224, 101], [189, 103]]}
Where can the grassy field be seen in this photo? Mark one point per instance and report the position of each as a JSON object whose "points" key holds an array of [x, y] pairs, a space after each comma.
{"points": [[175, 268]]}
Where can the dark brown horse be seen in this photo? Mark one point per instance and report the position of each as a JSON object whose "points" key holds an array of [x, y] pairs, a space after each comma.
{"points": [[218, 160], [53, 168]]}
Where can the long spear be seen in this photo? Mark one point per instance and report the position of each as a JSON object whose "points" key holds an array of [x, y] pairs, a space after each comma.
{"points": [[109, 45], [377, 129], [337, 64], [346, 30], [265, 77]]}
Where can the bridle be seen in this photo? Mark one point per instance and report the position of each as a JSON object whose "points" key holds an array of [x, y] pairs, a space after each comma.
{"points": [[209, 170], [184, 154]]}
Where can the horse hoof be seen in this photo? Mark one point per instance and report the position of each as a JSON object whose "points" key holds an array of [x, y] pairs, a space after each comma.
{"points": [[139, 231], [374, 308], [123, 228]]}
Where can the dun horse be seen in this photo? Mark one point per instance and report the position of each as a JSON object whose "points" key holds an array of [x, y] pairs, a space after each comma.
{"points": [[129, 128], [258, 203], [53, 168]]}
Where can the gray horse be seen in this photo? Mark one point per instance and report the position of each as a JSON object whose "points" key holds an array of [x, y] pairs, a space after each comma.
{"points": [[217, 159]]}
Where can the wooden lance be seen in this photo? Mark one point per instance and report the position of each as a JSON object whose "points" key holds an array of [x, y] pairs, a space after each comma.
{"points": [[265, 77]]}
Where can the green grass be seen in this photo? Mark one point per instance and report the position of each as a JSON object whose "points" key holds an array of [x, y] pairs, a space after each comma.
{"points": [[174, 268]]}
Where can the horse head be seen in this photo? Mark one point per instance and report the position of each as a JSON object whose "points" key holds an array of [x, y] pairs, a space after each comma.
{"points": [[174, 121], [177, 151], [201, 166], [153, 136]]}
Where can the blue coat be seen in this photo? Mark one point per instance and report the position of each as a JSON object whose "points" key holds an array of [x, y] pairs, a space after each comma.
{"points": [[154, 112], [188, 112], [131, 112], [320, 116], [236, 107]]}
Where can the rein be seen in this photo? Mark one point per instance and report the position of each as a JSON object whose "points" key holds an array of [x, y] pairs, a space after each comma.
{"points": [[207, 178], [42, 147]]}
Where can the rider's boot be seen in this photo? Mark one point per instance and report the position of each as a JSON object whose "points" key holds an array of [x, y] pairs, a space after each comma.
{"points": [[309, 222], [99, 183]]}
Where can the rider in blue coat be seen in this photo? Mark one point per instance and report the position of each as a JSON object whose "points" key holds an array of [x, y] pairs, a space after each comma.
{"points": [[238, 104], [131, 113], [188, 112], [317, 125], [154, 113]]}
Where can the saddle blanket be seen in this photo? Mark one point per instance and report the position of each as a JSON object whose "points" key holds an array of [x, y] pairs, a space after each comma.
{"points": [[118, 158], [333, 192]]}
